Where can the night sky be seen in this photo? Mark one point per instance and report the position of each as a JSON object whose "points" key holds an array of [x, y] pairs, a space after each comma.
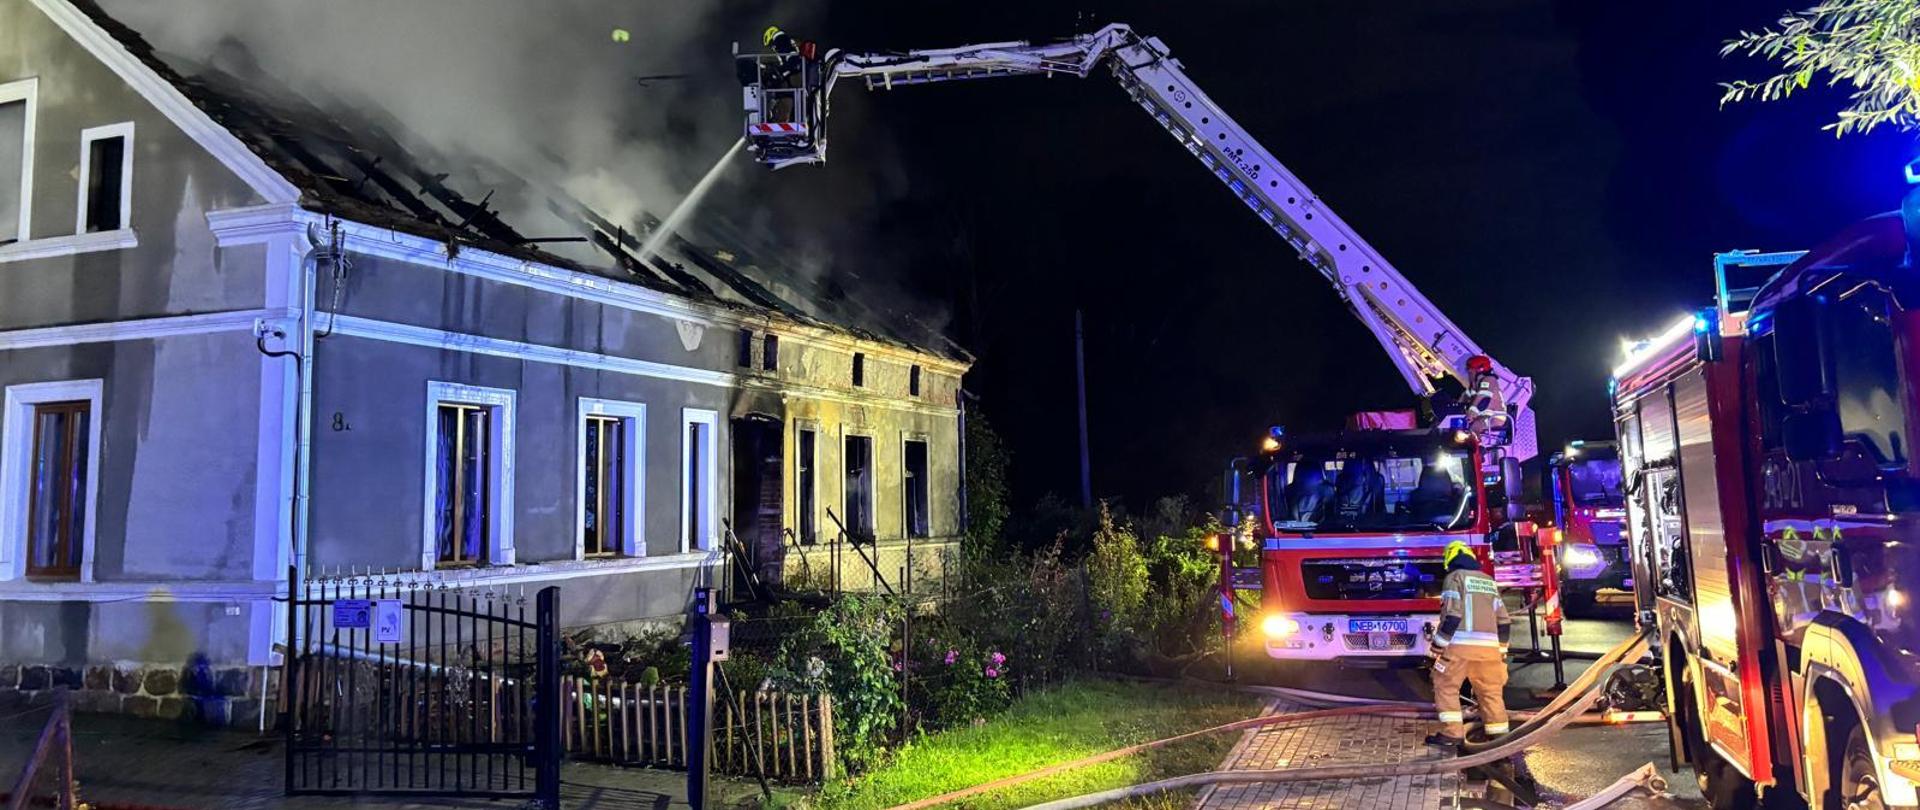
{"points": [[1555, 176]]}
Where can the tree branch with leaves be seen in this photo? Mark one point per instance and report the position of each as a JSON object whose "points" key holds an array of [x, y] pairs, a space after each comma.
{"points": [[1872, 46]]}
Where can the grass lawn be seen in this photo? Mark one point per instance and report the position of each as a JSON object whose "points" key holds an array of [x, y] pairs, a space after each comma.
{"points": [[1058, 725]]}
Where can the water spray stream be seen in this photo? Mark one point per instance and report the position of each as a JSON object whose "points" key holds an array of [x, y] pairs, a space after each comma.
{"points": [[685, 209]]}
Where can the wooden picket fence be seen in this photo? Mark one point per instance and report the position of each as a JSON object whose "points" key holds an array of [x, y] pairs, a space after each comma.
{"points": [[775, 734]]}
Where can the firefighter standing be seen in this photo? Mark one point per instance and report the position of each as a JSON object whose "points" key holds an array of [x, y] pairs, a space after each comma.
{"points": [[1471, 645]]}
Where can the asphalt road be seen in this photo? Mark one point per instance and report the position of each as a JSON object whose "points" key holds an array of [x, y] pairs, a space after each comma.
{"points": [[1577, 762]]}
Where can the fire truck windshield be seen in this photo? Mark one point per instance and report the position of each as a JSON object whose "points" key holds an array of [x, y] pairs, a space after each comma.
{"points": [[1404, 483], [1596, 482]]}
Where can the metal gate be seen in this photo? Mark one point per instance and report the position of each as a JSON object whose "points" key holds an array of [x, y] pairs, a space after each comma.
{"points": [[405, 686]]}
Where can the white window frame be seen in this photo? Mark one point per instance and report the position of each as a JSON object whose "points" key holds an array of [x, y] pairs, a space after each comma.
{"points": [[499, 455], [15, 448], [707, 513], [634, 499], [123, 129], [27, 90]]}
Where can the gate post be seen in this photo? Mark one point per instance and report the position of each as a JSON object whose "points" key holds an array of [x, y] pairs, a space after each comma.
{"points": [[546, 704]]}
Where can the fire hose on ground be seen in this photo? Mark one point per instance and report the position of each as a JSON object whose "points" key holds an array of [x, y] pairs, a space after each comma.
{"points": [[1579, 697]]}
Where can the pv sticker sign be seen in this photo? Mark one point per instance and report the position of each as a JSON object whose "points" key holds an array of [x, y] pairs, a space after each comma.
{"points": [[386, 621], [352, 614]]}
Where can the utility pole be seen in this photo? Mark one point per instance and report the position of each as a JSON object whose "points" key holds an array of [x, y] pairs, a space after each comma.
{"points": [[1080, 379]]}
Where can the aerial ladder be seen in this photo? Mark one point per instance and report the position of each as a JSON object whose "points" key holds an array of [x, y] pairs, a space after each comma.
{"points": [[787, 105]]}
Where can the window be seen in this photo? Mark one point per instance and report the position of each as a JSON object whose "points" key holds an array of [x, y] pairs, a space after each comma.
{"points": [[462, 501], [859, 369], [56, 489], [51, 450], [106, 178], [770, 353], [743, 356], [913, 381], [612, 442], [914, 487], [1867, 389], [858, 487], [16, 158], [804, 482], [469, 476], [697, 478]]}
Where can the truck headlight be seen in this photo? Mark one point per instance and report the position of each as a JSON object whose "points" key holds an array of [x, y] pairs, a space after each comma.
{"points": [[1582, 556], [1277, 626]]}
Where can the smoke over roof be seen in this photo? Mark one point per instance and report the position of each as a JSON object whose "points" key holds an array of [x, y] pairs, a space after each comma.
{"points": [[511, 126]]}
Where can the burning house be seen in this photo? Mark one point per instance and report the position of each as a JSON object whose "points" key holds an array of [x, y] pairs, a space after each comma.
{"points": [[242, 340]]}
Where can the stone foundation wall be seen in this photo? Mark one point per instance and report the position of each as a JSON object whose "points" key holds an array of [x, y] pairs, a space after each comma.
{"points": [[219, 696]]}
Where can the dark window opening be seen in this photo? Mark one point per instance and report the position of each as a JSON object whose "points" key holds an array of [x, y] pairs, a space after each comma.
{"points": [[859, 369], [13, 158], [913, 381], [57, 515], [858, 487], [770, 353], [463, 491], [914, 489], [744, 359], [105, 185], [604, 521], [696, 520], [803, 473]]}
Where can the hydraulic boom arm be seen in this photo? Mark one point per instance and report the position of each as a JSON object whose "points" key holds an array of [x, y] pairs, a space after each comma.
{"points": [[786, 125]]}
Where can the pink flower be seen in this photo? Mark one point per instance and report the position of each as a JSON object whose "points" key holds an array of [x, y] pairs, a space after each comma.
{"points": [[998, 659], [951, 655], [896, 666], [993, 673]]}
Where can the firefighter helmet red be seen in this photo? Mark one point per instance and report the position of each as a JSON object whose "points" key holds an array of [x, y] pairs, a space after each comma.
{"points": [[1479, 364]]}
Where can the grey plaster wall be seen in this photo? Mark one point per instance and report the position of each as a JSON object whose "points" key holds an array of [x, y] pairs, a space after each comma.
{"points": [[143, 631], [176, 268], [178, 435], [368, 478]]}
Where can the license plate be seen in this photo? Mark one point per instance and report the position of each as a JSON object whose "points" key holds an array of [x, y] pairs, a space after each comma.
{"points": [[1376, 625]]}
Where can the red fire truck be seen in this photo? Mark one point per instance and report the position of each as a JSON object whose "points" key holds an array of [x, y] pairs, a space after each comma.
{"points": [[1589, 520], [1774, 509], [1351, 528]]}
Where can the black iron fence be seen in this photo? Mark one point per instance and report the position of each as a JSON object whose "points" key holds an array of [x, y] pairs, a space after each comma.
{"points": [[410, 686]]}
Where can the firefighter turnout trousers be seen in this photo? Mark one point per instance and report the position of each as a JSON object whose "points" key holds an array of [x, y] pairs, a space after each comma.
{"points": [[1486, 668]]}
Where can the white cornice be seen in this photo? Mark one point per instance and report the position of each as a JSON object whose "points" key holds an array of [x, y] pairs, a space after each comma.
{"points": [[56, 246], [515, 349], [171, 102], [142, 329], [239, 226]]}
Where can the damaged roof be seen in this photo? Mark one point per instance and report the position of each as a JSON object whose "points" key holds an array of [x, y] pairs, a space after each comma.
{"points": [[358, 171]]}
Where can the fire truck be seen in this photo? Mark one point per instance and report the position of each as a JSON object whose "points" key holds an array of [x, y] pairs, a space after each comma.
{"points": [[1352, 527], [1588, 516], [1359, 577], [1773, 503]]}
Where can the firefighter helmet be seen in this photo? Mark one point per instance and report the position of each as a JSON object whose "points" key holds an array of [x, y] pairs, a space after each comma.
{"points": [[1454, 550], [766, 38], [1479, 364]]}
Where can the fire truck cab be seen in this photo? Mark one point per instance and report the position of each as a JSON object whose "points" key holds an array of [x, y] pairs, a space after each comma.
{"points": [[1773, 504], [1588, 514], [1351, 528]]}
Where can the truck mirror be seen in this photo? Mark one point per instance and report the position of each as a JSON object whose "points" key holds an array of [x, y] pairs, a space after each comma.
{"points": [[1803, 351], [1812, 436]]}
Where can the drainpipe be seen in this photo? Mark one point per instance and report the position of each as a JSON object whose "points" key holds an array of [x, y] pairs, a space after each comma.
{"points": [[303, 409], [966, 517]]}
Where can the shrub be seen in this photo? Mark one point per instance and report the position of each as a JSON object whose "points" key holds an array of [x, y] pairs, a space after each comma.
{"points": [[1116, 585], [846, 651], [957, 679], [987, 509]]}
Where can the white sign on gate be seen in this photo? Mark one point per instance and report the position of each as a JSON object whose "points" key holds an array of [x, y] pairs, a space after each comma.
{"points": [[386, 621]]}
